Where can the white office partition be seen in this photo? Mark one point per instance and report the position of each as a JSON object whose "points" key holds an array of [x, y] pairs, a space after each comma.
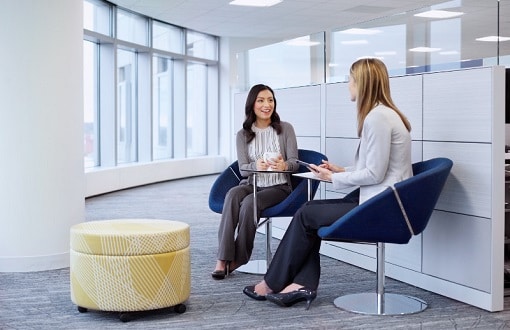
{"points": [[458, 115]]}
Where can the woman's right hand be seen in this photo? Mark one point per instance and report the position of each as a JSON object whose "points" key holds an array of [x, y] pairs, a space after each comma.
{"points": [[262, 165], [332, 167]]}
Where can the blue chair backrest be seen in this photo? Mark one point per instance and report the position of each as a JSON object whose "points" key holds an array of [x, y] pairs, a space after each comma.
{"points": [[231, 177], [380, 219], [299, 194]]}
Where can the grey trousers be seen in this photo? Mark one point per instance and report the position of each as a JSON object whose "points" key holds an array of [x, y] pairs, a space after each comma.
{"points": [[238, 214]]}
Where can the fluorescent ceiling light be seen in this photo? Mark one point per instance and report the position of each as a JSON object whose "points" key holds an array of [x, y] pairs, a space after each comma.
{"points": [[493, 38], [424, 49], [255, 3], [361, 31], [302, 41], [439, 14]]}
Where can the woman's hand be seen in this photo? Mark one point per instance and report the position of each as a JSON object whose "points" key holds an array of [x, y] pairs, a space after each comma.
{"points": [[332, 167], [277, 164], [262, 165], [321, 172]]}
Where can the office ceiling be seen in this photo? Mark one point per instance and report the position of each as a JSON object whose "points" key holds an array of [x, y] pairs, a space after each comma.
{"points": [[295, 18], [286, 20]]}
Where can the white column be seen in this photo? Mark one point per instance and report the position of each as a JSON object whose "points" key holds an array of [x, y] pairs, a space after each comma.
{"points": [[41, 132]]}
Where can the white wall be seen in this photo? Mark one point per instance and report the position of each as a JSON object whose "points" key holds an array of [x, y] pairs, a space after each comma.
{"points": [[41, 132]]}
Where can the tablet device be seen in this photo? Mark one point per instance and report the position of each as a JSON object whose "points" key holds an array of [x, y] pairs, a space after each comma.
{"points": [[307, 165]]}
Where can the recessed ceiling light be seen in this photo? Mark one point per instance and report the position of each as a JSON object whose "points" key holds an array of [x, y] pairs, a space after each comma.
{"points": [[493, 38], [424, 49], [255, 3], [439, 14], [361, 31]]}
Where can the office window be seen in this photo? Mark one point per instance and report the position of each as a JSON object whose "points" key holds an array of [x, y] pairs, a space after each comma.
{"points": [[126, 107], [296, 62], [162, 115], [96, 17], [136, 74], [196, 110], [167, 37], [90, 106], [132, 27], [201, 45]]}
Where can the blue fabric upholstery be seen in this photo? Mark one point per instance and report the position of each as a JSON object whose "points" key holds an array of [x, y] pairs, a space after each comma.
{"points": [[299, 195], [380, 219]]}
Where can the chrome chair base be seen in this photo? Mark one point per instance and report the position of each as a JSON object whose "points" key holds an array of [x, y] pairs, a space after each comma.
{"points": [[393, 304], [257, 267]]}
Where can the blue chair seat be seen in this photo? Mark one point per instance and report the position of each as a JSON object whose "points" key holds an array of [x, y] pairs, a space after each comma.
{"points": [[393, 216]]}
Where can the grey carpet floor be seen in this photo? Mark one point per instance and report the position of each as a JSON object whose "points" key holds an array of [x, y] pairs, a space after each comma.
{"points": [[41, 300]]}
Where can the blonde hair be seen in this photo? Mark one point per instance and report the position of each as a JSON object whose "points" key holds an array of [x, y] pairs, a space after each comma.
{"points": [[373, 86]]}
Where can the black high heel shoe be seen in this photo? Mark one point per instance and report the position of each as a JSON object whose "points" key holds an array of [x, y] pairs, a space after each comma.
{"points": [[290, 298], [221, 274], [250, 292]]}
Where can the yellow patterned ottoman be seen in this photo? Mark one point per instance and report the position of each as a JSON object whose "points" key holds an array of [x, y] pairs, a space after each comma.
{"points": [[129, 265]]}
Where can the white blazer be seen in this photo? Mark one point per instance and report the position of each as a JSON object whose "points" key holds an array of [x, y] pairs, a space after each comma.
{"points": [[383, 157]]}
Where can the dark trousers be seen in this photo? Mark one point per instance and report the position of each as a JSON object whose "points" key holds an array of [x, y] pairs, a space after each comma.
{"points": [[238, 214], [297, 259]]}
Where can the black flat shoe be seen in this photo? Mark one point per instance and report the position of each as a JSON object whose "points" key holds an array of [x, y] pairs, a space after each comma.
{"points": [[250, 292], [221, 274], [290, 298]]}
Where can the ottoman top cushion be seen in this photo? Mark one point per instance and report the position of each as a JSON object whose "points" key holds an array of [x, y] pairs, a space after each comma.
{"points": [[129, 237]]}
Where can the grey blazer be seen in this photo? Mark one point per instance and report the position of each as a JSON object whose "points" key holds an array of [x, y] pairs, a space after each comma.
{"points": [[383, 157]]}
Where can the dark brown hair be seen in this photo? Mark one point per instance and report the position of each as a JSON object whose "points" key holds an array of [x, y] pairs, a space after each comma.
{"points": [[250, 116]]}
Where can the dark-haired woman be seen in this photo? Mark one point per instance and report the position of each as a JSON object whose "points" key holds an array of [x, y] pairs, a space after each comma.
{"points": [[262, 132]]}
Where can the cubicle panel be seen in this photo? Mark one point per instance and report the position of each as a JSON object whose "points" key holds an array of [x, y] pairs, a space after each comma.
{"points": [[457, 248], [406, 255], [407, 94], [468, 188], [310, 143], [457, 105], [301, 106], [341, 151], [341, 112]]}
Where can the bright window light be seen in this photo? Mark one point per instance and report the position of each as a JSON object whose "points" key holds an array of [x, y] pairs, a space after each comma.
{"points": [[361, 31], [439, 14], [302, 41], [255, 3], [424, 49], [493, 38]]}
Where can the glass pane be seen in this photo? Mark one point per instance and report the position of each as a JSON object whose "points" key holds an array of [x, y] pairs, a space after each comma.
{"points": [[90, 106], [420, 40], [162, 125], [296, 62], [132, 27], [126, 107], [196, 114], [167, 37], [96, 17], [201, 45]]}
